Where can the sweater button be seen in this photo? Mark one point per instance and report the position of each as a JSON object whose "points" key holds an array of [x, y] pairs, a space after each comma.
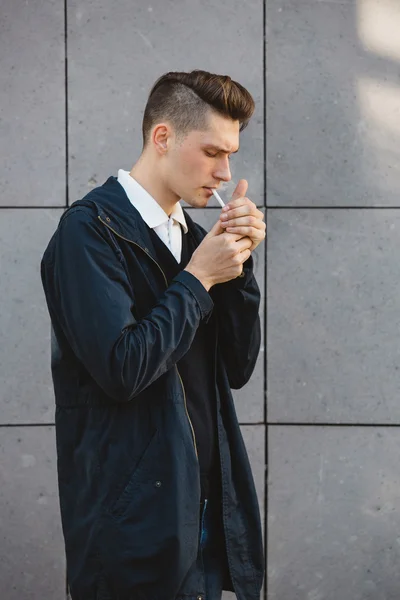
{"points": [[158, 484], [200, 598]]}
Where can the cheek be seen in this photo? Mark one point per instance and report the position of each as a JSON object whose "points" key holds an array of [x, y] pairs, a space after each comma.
{"points": [[193, 165]]}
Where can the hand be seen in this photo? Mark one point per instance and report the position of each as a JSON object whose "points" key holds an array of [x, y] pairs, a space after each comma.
{"points": [[242, 217], [219, 257]]}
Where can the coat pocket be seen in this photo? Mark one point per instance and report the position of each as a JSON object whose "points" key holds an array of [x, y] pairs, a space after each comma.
{"points": [[142, 470]]}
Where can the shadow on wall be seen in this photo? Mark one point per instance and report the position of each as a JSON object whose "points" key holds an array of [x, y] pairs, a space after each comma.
{"points": [[333, 103]]}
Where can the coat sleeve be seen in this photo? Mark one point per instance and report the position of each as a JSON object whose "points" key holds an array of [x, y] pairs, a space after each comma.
{"points": [[237, 304], [94, 303]]}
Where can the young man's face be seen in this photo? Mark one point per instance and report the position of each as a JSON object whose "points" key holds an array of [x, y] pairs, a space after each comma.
{"points": [[201, 160]]}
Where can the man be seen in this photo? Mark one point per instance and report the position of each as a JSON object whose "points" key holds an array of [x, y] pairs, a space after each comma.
{"points": [[153, 322]]}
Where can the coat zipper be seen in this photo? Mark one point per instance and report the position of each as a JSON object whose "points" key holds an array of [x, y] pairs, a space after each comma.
{"points": [[187, 413], [166, 283]]}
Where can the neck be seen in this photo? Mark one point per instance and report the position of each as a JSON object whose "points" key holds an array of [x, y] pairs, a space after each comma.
{"points": [[146, 173]]}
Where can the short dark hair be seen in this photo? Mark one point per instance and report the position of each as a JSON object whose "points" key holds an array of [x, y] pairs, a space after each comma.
{"points": [[184, 100]]}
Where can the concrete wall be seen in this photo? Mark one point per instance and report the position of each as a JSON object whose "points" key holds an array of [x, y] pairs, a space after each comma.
{"points": [[333, 102], [74, 80]]}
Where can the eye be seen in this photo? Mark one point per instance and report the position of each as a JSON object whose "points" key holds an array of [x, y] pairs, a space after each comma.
{"points": [[209, 154]]}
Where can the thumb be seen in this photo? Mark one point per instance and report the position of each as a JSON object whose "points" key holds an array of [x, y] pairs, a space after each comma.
{"points": [[216, 229], [240, 189]]}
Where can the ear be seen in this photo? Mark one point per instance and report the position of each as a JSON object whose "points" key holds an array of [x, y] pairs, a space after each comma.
{"points": [[161, 136]]}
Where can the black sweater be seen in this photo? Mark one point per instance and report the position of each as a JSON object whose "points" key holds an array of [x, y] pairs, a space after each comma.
{"points": [[196, 369]]}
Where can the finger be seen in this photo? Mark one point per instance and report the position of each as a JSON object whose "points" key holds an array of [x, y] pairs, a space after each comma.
{"points": [[245, 209], [233, 237], [242, 201], [239, 202], [245, 255], [243, 244], [240, 189], [216, 229], [250, 232], [247, 221]]}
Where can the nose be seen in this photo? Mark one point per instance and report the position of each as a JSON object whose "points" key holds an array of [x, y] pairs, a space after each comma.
{"points": [[223, 171]]}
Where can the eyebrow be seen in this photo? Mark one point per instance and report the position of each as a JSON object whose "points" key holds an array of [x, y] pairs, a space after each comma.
{"points": [[221, 149]]}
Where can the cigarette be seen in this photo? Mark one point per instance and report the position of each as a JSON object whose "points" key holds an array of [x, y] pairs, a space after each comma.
{"points": [[218, 197]]}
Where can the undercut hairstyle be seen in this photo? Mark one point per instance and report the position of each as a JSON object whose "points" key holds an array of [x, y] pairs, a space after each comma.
{"points": [[185, 100]]}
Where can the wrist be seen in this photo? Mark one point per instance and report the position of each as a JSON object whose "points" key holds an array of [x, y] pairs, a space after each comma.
{"points": [[205, 282]]}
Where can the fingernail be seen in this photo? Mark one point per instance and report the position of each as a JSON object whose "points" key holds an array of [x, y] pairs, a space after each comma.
{"points": [[226, 208]]}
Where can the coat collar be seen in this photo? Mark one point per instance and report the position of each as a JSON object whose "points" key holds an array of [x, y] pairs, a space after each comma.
{"points": [[151, 212], [117, 212]]}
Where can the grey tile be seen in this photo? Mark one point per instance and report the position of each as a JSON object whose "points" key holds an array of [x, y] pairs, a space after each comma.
{"points": [[32, 103], [254, 439], [332, 103], [333, 513], [108, 90], [32, 563], [249, 400], [26, 390], [333, 315]]}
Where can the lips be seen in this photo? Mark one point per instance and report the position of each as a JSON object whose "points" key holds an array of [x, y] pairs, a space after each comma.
{"points": [[208, 190]]}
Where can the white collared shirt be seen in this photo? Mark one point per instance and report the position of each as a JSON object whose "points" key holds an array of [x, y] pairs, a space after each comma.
{"points": [[167, 228]]}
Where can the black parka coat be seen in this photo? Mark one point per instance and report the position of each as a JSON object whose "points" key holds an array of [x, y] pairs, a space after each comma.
{"points": [[127, 465]]}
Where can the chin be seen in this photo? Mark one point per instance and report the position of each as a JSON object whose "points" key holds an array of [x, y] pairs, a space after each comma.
{"points": [[197, 202]]}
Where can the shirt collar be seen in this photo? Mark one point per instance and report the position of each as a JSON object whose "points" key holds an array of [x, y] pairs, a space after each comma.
{"points": [[150, 211]]}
